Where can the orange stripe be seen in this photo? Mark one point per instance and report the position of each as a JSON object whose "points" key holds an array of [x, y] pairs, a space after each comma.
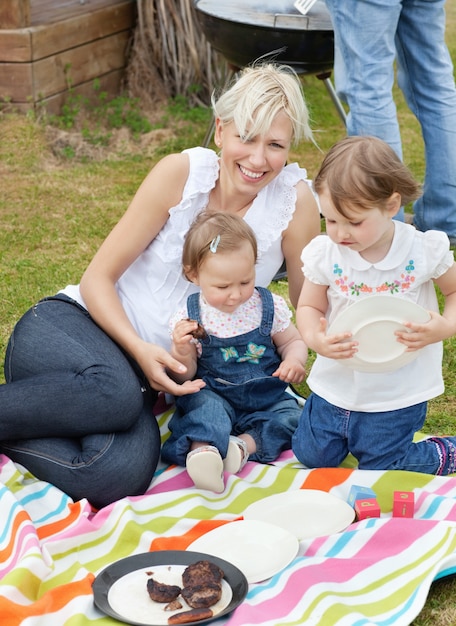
{"points": [[18, 520], [13, 614], [326, 478], [54, 528], [181, 542]]}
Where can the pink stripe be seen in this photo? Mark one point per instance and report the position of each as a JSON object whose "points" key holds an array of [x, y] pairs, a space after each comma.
{"points": [[447, 486], [4, 460], [392, 537], [25, 541], [182, 480], [179, 481], [299, 582], [443, 512]]}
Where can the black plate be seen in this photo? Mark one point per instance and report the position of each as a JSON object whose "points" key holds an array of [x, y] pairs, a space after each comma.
{"points": [[107, 577]]}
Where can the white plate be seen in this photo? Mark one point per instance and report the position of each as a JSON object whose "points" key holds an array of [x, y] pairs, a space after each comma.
{"points": [[373, 322], [306, 513], [258, 548]]}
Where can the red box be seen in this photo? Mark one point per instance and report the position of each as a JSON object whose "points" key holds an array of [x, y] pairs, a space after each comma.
{"points": [[403, 504], [366, 508]]}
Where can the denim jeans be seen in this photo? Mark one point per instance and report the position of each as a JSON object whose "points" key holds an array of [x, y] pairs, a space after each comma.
{"points": [[211, 418], [74, 411], [241, 395], [379, 441], [369, 35]]}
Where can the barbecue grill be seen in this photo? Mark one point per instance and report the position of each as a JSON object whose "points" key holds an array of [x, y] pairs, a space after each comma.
{"points": [[245, 30]]}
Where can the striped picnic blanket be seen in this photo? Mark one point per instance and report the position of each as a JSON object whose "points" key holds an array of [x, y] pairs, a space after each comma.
{"points": [[376, 572]]}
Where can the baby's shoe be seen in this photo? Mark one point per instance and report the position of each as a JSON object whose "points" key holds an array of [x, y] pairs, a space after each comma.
{"points": [[237, 455], [205, 467]]}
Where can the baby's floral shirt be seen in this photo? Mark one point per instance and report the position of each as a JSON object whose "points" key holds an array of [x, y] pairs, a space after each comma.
{"points": [[245, 318]]}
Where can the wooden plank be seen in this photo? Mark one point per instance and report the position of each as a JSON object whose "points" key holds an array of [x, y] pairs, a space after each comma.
{"points": [[79, 65], [54, 38], [15, 14], [16, 82], [15, 46], [48, 11], [109, 83], [21, 46]]}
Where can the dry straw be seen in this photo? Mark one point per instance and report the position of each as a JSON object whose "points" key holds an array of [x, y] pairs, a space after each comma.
{"points": [[170, 55]]}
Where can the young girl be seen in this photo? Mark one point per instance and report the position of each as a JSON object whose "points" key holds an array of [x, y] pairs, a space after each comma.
{"points": [[247, 352], [361, 186]]}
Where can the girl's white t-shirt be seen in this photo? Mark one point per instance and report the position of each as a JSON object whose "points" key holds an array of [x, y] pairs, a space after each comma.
{"points": [[414, 260]]}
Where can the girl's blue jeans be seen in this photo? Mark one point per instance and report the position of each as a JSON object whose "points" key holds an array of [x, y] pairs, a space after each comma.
{"points": [[379, 441], [210, 418], [74, 411]]}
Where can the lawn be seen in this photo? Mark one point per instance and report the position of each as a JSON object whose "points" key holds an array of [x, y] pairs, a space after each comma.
{"points": [[66, 181]]}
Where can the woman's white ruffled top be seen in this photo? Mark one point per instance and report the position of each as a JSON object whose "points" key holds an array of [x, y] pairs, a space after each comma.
{"points": [[153, 287]]}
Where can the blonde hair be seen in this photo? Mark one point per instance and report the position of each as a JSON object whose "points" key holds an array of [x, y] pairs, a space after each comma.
{"points": [[212, 233], [261, 92], [363, 172]]}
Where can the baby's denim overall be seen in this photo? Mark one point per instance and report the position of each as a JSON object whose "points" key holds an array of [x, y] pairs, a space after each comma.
{"points": [[241, 395]]}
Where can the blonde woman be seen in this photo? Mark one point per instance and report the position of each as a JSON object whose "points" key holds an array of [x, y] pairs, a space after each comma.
{"points": [[83, 368]]}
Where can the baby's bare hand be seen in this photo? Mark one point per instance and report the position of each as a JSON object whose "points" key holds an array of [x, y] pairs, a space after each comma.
{"points": [[183, 330], [290, 371]]}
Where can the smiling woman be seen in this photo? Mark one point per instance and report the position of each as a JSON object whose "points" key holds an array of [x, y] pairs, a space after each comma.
{"points": [[84, 366]]}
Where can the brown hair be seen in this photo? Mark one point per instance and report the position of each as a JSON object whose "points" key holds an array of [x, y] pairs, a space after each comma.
{"points": [[212, 233], [362, 173]]}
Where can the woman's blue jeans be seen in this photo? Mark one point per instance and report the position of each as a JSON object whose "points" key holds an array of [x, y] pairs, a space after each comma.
{"points": [[74, 411], [369, 36], [379, 441]]}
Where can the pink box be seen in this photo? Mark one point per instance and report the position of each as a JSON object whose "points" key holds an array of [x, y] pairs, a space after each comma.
{"points": [[366, 508], [403, 504]]}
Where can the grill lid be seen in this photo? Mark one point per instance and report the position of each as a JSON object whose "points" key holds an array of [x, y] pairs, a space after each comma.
{"points": [[274, 14]]}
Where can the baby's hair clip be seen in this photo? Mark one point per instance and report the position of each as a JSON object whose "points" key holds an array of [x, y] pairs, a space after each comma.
{"points": [[214, 244]]}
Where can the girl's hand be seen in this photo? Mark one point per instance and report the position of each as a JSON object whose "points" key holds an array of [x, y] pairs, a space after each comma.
{"points": [[290, 371], [183, 345], [333, 346], [418, 336]]}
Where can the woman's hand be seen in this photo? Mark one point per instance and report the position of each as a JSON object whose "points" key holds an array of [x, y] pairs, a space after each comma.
{"points": [[155, 361]]}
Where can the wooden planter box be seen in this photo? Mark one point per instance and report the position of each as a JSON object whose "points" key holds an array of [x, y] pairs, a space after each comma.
{"points": [[48, 45]]}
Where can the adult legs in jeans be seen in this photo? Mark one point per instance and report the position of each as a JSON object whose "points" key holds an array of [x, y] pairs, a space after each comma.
{"points": [[73, 410], [379, 441], [367, 36]]}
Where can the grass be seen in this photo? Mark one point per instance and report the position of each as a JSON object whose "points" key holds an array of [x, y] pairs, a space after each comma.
{"points": [[66, 182]]}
